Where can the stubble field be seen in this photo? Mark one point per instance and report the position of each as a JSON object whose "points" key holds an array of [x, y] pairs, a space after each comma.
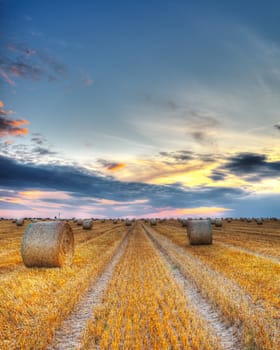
{"points": [[145, 287]]}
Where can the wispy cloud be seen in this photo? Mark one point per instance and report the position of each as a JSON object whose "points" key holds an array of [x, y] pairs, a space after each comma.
{"points": [[22, 61]]}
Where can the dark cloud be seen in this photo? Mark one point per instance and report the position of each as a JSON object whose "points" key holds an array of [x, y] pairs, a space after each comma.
{"points": [[10, 127], [38, 140], [184, 155], [277, 126], [43, 151], [217, 175], [178, 155], [252, 166], [19, 176]]}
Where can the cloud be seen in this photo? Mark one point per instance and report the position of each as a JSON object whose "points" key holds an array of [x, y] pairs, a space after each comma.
{"points": [[111, 166], [277, 126], [90, 194], [16, 175], [22, 61], [202, 127], [189, 212], [178, 155], [217, 175], [38, 139], [6, 77], [9, 127], [42, 151], [252, 166]]}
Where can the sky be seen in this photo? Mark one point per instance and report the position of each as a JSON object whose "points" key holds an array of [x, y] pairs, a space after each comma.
{"points": [[139, 108]]}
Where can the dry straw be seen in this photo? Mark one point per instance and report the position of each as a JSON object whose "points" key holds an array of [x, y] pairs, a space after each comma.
{"points": [[199, 232], [47, 244]]}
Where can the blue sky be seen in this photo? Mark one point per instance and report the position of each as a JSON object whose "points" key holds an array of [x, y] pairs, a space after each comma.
{"points": [[161, 108]]}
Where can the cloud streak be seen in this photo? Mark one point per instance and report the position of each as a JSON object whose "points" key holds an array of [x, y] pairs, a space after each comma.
{"points": [[21, 61]]}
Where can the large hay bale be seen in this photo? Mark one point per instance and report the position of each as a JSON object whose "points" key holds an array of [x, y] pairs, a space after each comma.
{"points": [[20, 222], [128, 222], [87, 224], [199, 232], [47, 244], [153, 222], [79, 222]]}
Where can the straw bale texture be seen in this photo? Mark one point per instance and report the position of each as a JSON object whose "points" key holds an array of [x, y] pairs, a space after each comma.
{"points": [[87, 224], [199, 232], [47, 244]]}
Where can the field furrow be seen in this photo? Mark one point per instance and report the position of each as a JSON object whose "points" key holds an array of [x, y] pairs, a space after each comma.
{"points": [[258, 319], [68, 336], [34, 302], [228, 338], [145, 308], [250, 271]]}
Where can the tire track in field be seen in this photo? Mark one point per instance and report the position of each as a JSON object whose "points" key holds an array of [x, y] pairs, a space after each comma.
{"points": [[228, 339], [249, 251], [70, 333]]}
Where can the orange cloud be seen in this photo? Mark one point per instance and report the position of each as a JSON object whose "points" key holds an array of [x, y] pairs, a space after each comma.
{"points": [[115, 166], [12, 127], [180, 212], [18, 122], [1, 104], [37, 194]]}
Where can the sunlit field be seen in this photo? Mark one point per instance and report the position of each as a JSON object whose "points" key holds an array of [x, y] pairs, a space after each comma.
{"points": [[143, 286]]}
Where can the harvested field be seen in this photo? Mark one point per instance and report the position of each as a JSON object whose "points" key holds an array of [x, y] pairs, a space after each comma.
{"points": [[143, 287]]}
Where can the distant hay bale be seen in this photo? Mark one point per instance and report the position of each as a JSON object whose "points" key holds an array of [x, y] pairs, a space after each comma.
{"points": [[199, 232], [20, 222], [259, 221], [47, 244], [218, 223], [128, 222], [184, 223], [87, 224], [115, 221], [153, 222], [79, 222]]}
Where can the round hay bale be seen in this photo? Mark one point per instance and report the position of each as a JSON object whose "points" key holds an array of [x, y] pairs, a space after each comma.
{"points": [[259, 221], [20, 222], [153, 222], [79, 222], [87, 224], [47, 244], [218, 223], [199, 232], [128, 223]]}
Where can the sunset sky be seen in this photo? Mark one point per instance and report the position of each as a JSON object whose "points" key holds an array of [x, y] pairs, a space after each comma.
{"points": [[139, 108]]}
